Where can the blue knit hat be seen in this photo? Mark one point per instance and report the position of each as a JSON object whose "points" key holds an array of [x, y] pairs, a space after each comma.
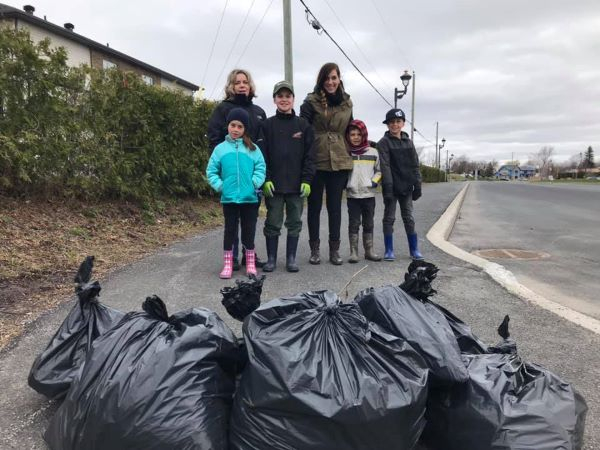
{"points": [[240, 115]]}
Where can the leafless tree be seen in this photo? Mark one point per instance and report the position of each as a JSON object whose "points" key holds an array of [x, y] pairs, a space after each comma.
{"points": [[543, 158]]}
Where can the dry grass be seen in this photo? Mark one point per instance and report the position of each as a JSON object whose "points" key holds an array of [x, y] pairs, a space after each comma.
{"points": [[43, 241]]}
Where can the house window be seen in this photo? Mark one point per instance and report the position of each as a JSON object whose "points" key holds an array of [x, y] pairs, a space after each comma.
{"points": [[148, 80], [108, 64]]}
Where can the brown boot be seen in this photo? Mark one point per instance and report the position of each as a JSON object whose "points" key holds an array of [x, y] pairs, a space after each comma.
{"points": [[315, 257], [334, 253], [368, 244]]}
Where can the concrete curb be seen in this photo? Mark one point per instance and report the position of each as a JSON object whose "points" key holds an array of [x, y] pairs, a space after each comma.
{"points": [[438, 236]]}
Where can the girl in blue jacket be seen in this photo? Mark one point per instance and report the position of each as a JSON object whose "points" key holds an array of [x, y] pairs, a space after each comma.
{"points": [[236, 169]]}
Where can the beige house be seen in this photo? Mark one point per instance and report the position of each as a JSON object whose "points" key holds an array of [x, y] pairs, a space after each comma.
{"points": [[82, 50]]}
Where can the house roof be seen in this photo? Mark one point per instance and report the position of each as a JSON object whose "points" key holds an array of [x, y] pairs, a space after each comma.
{"points": [[14, 13]]}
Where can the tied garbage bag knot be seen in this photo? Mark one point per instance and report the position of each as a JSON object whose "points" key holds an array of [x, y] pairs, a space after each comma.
{"points": [[243, 298], [418, 278]]}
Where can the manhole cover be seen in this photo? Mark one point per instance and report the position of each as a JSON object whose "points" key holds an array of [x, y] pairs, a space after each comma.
{"points": [[511, 253]]}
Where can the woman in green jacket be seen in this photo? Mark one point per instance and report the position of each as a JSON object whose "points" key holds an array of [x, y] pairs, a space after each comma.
{"points": [[329, 109]]}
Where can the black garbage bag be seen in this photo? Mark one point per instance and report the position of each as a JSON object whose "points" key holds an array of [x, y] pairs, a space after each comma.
{"points": [[467, 341], [507, 404], [321, 377], [153, 382], [422, 325], [417, 283], [54, 369], [243, 298]]}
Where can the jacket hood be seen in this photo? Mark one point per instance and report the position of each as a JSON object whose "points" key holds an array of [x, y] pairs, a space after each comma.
{"points": [[364, 143]]}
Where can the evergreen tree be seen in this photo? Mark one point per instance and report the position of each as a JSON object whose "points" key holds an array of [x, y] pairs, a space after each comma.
{"points": [[588, 161]]}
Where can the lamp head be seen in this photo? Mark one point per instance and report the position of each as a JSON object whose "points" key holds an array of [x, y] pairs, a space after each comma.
{"points": [[405, 77]]}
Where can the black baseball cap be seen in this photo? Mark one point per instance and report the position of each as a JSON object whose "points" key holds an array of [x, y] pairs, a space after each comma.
{"points": [[394, 113]]}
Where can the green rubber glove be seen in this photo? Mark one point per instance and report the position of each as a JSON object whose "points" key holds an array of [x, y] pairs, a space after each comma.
{"points": [[268, 189], [304, 190]]}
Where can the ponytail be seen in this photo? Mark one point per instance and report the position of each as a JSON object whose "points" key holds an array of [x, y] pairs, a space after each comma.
{"points": [[248, 142]]}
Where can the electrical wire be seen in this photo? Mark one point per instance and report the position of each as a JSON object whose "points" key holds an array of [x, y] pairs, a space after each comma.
{"points": [[253, 33], [232, 47], [314, 22], [391, 35], [357, 46], [212, 49], [316, 25]]}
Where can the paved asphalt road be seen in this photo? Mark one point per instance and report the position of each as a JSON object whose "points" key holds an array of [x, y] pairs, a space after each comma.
{"points": [[561, 220], [185, 275]]}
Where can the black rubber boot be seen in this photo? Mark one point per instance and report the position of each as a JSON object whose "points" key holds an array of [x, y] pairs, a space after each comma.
{"points": [[290, 254], [272, 244]]}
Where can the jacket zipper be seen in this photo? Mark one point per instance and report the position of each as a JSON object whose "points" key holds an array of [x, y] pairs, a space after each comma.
{"points": [[237, 160]]}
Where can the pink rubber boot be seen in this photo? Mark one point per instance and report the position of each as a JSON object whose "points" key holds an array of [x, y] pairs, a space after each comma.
{"points": [[250, 262], [227, 265]]}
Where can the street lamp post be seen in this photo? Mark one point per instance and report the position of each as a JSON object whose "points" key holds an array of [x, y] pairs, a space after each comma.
{"points": [[448, 161], [439, 156], [399, 93]]}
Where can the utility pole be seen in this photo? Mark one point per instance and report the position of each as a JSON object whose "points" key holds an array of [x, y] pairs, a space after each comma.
{"points": [[287, 41], [412, 108], [437, 147]]}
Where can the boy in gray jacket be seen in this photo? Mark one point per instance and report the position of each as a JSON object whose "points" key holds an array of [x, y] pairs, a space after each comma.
{"points": [[360, 191]]}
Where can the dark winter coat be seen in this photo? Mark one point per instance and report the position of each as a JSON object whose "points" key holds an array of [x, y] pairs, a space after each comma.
{"points": [[330, 126], [217, 124], [289, 151], [399, 164]]}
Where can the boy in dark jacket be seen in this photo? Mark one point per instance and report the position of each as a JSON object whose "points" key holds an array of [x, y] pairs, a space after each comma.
{"points": [[401, 182], [288, 148]]}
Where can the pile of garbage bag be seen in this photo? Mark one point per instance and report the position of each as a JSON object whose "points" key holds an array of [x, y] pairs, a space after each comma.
{"points": [[390, 370]]}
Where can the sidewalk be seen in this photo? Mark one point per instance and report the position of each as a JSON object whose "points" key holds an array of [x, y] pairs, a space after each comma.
{"points": [[186, 275]]}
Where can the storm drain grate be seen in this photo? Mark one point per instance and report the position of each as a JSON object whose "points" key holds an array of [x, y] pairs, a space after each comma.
{"points": [[511, 253]]}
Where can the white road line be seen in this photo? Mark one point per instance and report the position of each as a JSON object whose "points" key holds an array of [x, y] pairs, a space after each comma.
{"points": [[438, 236]]}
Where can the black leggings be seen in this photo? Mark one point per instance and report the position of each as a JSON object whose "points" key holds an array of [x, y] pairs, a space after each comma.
{"points": [[333, 183], [244, 213]]}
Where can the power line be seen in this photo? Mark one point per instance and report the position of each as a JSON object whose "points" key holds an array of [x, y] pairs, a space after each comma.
{"points": [[357, 46], [212, 49], [254, 32], [317, 26], [391, 35], [232, 47], [320, 29]]}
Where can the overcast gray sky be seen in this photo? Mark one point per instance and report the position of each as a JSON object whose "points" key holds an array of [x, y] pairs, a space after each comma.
{"points": [[500, 77]]}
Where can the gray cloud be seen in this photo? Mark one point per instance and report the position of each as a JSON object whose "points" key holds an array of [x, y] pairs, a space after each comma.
{"points": [[501, 78]]}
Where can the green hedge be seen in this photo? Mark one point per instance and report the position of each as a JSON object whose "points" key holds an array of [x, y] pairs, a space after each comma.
{"points": [[93, 133], [431, 174]]}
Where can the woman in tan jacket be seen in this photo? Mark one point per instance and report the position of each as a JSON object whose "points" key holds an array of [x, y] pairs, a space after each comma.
{"points": [[329, 109]]}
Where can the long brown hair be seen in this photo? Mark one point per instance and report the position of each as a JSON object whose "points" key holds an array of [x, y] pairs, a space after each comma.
{"points": [[248, 142], [322, 76]]}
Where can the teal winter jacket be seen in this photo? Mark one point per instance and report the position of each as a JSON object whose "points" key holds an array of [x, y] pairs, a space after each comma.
{"points": [[235, 171]]}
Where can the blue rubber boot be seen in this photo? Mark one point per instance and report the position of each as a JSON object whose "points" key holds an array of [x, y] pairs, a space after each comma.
{"points": [[413, 245], [388, 240]]}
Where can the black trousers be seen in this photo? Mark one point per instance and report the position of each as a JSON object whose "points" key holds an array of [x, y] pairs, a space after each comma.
{"points": [[406, 212], [361, 208], [333, 183], [244, 214]]}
